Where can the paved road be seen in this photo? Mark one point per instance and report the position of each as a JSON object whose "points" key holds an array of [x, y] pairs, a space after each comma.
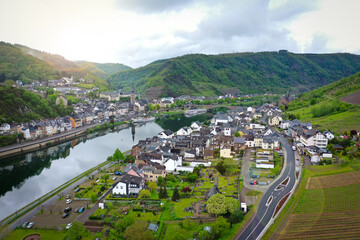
{"points": [[265, 213], [14, 146]]}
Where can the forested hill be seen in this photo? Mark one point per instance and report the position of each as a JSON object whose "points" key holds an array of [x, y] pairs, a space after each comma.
{"points": [[15, 65], [199, 74], [18, 62]]}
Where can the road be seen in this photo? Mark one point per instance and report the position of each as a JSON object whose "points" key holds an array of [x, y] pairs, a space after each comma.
{"points": [[14, 146], [265, 213]]}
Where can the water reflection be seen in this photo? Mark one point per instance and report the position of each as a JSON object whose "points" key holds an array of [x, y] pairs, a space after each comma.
{"points": [[26, 177]]}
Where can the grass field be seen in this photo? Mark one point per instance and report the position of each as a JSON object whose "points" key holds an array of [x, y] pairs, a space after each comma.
{"points": [[45, 234], [338, 123], [329, 212]]}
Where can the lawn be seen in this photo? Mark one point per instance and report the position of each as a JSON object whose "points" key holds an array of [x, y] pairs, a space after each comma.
{"points": [[338, 122], [183, 203], [147, 216]]}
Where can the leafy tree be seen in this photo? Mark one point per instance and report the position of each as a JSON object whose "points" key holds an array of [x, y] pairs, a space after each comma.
{"points": [[236, 216], [118, 156], [152, 186], [170, 177], [192, 178], [77, 231], [232, 204], [186, 189], [93, 198], [176, 195], [197, 171], [220, 167], [105, 177], [127, 221], [216, 204], [160, 180], [138, 231], [220, 226], [144, 193], [237, 134]]}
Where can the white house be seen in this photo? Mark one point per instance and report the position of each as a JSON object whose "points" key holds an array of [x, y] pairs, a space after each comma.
{"points": [[5, 127], [166, 134], [285, 124], [173, 163], [329, 135], [275, 120], [227, 130], [196, 126], [128, 185], [313, 138], [185, 131]]}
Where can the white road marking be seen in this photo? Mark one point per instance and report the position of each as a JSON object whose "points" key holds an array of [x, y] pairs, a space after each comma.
{"points": [[267, 208]]}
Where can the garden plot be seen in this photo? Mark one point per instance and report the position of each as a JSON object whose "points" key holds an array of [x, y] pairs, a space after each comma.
{"points": [[333, 180]]}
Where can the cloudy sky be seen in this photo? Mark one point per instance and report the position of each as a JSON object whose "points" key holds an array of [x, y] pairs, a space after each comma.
{"points": [[137, 32]]}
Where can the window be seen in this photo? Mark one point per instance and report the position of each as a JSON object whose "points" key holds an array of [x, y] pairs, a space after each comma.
{"points": [[121, 187]]}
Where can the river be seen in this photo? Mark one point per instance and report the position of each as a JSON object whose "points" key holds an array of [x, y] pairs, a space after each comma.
{"points": [[26, 177]]}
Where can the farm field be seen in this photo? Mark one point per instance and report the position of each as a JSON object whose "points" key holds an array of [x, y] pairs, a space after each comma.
{"points": [[325, 206], [333, 181]]}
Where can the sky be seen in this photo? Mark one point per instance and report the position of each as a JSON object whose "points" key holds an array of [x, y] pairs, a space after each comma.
{"points": [[138, 32]]}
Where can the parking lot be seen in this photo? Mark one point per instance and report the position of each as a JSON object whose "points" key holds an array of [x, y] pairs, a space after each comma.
{"points": [[51, 217]]}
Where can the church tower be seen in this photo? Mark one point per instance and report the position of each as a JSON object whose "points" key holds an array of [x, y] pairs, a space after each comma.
{"points": [[132, 97]]}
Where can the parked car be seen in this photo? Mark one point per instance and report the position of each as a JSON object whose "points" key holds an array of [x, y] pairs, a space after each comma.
{"points": [[294, 147], [67, 196], [25, 224], [68, 226], [68, 209], [81, 209], [76, 210], [77, 189], [30, 225], [65, 215], [68, 200], [118, 173], [114, 178]]}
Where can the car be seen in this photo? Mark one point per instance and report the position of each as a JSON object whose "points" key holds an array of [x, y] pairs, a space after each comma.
{"points": [[68, 209], [81, 209], [257, 176], [68, 201], [30, 225], [118, 173], [253, 176], [25, 224], [77, 189], [68, 226], [114, 178], [67, 196], [293, 147], [76, 210], [65, 215]]}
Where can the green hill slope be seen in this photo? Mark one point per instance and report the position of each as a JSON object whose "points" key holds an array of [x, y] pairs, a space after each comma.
{"points": [[324, 108], [20, 105], [14, 65], [208, 75]]}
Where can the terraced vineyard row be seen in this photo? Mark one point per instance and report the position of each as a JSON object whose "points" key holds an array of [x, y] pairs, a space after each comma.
{"points": [[341, 225], [333, 180]]}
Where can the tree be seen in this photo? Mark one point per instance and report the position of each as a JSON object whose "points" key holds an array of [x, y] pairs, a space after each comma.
{"points": [[220, 168], [138, 231], [157, 106], [152, 186], [216, 204], [77, 231], [192, 178], [144, 193], [170, 178], [197, 171], [93, 198], [236, 217], [105, 177], [237, 134], [176, 195], [220, 226], [160, 180], [186, 189], [127, 221], [118, 155], [232, 204]]}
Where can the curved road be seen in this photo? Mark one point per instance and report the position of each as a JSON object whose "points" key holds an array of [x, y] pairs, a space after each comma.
{"points": [[265, 213]]}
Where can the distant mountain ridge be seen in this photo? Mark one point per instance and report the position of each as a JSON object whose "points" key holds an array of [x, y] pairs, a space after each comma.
{"points": [[209, 75], [18, 62]]}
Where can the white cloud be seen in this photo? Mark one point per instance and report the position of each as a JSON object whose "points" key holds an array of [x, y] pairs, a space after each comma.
{"points": [[137, 32]]}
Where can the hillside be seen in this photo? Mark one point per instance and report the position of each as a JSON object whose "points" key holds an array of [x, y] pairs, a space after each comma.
{"points": [[19, 105], [102, 70], [325, 107], [208, 75], [15, 65], [19, 62]]}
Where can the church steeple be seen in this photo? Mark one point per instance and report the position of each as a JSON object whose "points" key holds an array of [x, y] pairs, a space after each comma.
{"points": [[132, 97]]}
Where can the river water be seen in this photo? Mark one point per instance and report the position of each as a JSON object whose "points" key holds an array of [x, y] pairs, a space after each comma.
{"points": [[26, 177]]}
